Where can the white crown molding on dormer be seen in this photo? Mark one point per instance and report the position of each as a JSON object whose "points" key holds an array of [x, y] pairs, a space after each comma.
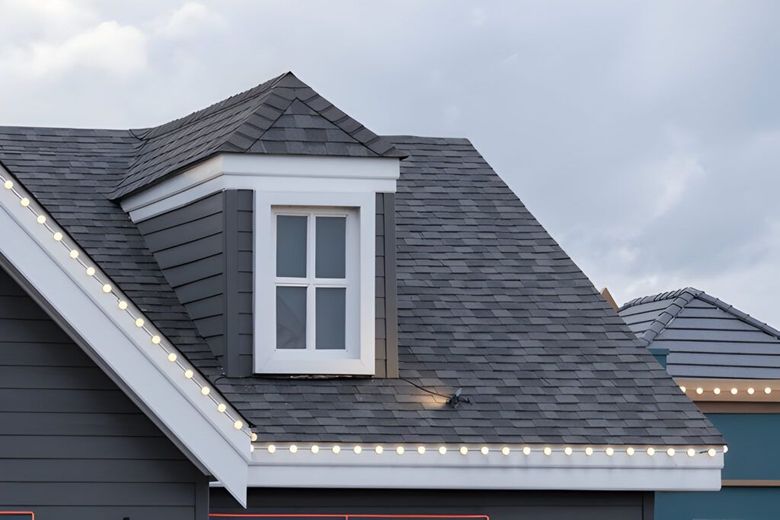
{"points": [[269, 173]]}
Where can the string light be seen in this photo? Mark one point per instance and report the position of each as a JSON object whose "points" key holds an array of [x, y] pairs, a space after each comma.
{"points": [[768, 390], [421, 450], [699, 390], [41, 219], [122, 305], [609, 451], [205, 390], [336, 449], [139, 322], [400, 450], [315, 449], [57, 236], [188, 373], [725, 449], [711, 452], [172, 357], [484, 450], [691, 452], [526, 450], [293, 448], [630, 451], [358, 450], [271, 448], [505, 450], [567, 450], [734, 391], [751, 390], [547, 450], [588, 451], [8, 185], [90, 271], [443, 450], [670, 452], [682, 389], [716, 391], [253, 436], [221, 408], [24, 201], [379, 450], [651, 451], [464, 450]]}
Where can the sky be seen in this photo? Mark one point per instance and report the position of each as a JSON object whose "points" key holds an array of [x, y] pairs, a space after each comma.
{"points": [[645, 136]]}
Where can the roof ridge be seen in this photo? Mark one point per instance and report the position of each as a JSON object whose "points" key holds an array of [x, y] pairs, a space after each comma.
{"points": [[666, 295], [740, 315]]}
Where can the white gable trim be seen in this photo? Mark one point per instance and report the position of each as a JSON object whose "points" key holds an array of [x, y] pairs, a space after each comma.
{"points": [[125, 349], [288, 173]]}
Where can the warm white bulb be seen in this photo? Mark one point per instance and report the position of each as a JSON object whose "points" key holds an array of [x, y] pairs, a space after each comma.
{"points": [[734, 391], [683, 389], [651, 451], [379, 450], [122, 304], [768, 390], [74, 254], [526, 450], [716, 391], [293, 448], [172, 357], [547, 450], [8, 185], [751, 390], [205, 390], [464, 450], [699, 390], [106, 288], [484, 450], [609, 451], [315, 449], [691, 452], [57, 236], [442, 450], [568, 451], [670, 452], [90, 271], [41, 219], [253, 436], [139, 322], [221, 407], [188, 374], [336, 449], [24, 201], [400, 450], [711, 452], [251, 449], [156, 339], [358, 450], [238, 424], [420, 449], [505, 450], [271, 448], [725, 449], [588, 451], [630, 451]]}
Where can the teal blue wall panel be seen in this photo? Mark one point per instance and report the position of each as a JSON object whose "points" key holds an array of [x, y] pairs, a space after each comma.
{"points": [[727, 504], [754, 445]]}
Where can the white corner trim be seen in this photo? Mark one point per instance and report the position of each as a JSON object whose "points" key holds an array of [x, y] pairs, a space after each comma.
{"points": [[264, 173], [536, 471], [172, 399]]}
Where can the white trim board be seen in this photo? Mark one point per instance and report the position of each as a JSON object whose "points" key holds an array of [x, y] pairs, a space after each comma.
{"points": [[598, 472], [264, 173], [124, 348]]}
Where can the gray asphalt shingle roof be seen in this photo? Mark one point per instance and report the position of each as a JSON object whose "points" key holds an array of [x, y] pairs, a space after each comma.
{"points": [[705, 336], [488, 302]]}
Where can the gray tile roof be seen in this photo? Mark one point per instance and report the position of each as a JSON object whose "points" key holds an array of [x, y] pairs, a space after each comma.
{"points": [[488, 302], [705, 336]]}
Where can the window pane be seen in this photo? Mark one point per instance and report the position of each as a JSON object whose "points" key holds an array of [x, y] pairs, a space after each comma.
{"points": [[290, 317], [331, 314], [331, 247], [291, 246]]}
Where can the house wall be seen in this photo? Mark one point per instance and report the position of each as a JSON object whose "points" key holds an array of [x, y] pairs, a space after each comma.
{"points": [[753, 456], [205, 251], [73, 446], [497, 505]]}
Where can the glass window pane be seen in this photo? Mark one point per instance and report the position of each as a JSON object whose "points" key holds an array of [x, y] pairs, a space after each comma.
{"points": [[331, 315], [291, 246], [290, 317], [331, 247]]}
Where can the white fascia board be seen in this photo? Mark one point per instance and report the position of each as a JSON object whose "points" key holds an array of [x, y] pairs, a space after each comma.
{"points": [[286, 173], [598, 472], [123, 348]]}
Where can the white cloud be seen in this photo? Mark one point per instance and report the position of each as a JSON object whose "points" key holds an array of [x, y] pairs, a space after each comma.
{"points": [[120, 50], [188, 20], [672, 177]]}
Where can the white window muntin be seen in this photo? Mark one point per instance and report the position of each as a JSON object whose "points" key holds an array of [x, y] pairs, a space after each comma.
{"points": [[350, 282], [268, 359]]}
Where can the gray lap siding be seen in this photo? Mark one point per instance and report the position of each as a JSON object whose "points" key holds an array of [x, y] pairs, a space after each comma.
{"points": [[73, 446]]}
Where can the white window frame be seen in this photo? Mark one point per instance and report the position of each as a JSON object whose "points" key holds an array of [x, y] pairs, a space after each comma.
{"points": [[359, 357]]}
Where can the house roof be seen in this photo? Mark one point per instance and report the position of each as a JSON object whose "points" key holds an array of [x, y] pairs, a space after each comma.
{"points": [[705, 336], [488, 303]]}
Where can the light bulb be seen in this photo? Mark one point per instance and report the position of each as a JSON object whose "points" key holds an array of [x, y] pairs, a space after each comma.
{"points": [[464, 450], [122, 305], [768, 390], [139, 322], [670, 452], [379, 450], [711, 452], [358, 450], [90, 271], [221, 407], [188, 374], [238, 425], [420, 449], [567, 450], [526, 450], [682, 389], [484, 450], [156, 339], [725, 449], [336, 449], [630, 451], [24, 201], [442, 450], [716, 391], [251, 449], [651, 451], [547, 450], [609, 451], [41, 219], [293, 448], [315, 449], [691, 452], [734, 391], [253, 436], [588, 451], [751, 390], [400, 450], [57, 236], [271, 448], [8, 185], [106, 288], [205, 390], [699, 390], [505, 450], [172, 357]]}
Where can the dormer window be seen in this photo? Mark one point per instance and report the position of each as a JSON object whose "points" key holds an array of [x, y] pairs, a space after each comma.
{"points": [[315, 283]]}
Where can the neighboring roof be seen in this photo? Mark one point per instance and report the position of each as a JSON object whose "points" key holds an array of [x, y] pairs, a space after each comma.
{"points": [[488, 302], [283, 116], [705, 336]]}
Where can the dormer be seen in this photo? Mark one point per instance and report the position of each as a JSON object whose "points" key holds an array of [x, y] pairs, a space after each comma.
{"points": [[273, 220]]}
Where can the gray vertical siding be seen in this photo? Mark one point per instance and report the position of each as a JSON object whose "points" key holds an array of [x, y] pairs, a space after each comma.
{"points": [[72, 444], [205, 250]]}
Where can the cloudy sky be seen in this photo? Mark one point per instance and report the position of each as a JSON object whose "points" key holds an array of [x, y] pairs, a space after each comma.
{"points": [[644, 135]]}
